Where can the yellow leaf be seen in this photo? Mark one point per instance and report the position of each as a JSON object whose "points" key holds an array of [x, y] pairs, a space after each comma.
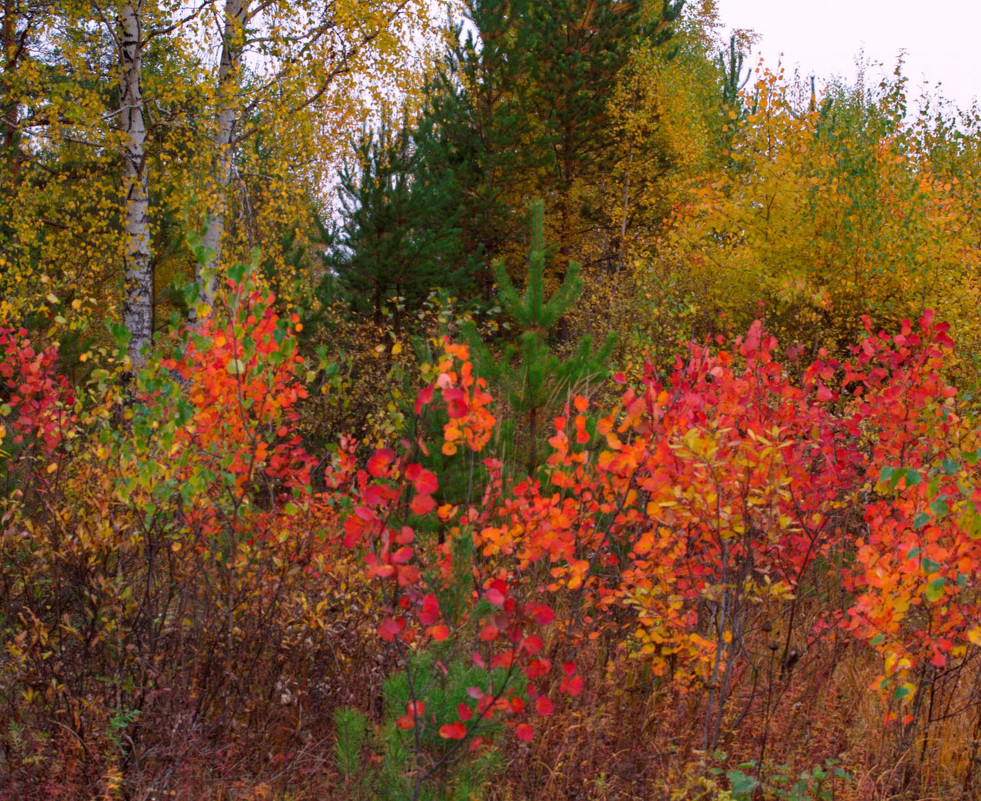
{"points": [[974, 635]]}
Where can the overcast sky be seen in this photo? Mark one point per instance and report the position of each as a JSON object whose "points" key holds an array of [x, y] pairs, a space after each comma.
{"points": [[941, 38]]}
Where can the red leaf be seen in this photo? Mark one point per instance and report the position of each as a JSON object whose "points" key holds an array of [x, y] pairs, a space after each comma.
{"points": [[430, 610], [537, 668], [353, 529], [374, 495], [408, 574], [379, 463], [402, 555], [495, 596], [405, 536], [390, 629], [425, 482], [544, 706], [572, 686], [406, 722], [424, 398], [489, 632], [524, 732], [423, 504]]}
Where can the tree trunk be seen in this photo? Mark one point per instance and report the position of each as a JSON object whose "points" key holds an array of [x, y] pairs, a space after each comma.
{"points": [[9, 105], [233, 40], [137, 261], [15, 52]]}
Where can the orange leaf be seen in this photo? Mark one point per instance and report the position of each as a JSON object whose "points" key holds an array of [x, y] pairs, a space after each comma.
{"points": [[453, 731]]}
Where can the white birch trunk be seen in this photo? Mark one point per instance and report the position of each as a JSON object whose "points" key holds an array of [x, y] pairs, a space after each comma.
{"points": [[137, 257], [233, 34]]}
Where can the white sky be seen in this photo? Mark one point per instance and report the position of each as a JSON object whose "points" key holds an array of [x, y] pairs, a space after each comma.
{"points": [[941, 38]]}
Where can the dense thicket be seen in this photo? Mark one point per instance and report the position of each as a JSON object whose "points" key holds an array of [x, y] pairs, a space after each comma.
{"points": [[534, 402]]}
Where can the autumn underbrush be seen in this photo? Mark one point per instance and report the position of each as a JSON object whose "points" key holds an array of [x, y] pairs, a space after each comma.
{"points": [[739, 582]]}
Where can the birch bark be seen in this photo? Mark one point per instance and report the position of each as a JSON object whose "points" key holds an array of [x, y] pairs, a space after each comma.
{"points": [[233, 42], [137, 256]]}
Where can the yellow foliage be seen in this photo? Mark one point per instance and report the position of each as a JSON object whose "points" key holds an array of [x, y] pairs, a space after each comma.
{"points": [[825, 213]]}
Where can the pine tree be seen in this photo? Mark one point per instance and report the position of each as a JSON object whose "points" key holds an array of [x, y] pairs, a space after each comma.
{"points": [[574, 54], [387, 245], [519, 109], [530, 375], [469, 139]]}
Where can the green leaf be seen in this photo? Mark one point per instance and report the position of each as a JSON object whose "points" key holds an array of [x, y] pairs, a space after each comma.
{"points": [[939, 508], [877, 639], [935, 589], [897, 473], [237, 273], [913, 478], [236, 367], [950, 466], [887, 473], [920, 520], [190, 292], [742, 785], [120, 334], [901, 693]]}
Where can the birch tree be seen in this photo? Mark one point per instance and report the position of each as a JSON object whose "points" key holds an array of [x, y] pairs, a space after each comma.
{"points": [[61, 175], [234, 19], [116, 135], [137, 258], [300, 75]]}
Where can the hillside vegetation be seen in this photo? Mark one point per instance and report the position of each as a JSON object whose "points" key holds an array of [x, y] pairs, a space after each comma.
{"points": [[516, 400]]}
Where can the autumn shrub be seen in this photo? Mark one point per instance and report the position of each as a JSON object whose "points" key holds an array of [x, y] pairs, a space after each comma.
{"points": [[194, 603], [181, 600], [165, 598]]}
